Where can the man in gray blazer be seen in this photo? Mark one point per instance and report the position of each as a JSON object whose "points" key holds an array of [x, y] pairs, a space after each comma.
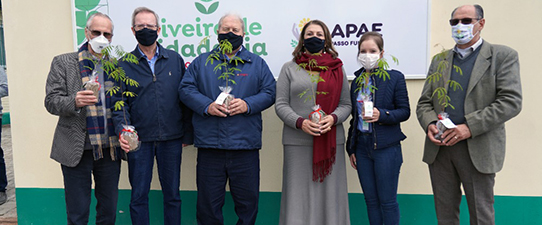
{"points": [[84, 142], [473, 152]]}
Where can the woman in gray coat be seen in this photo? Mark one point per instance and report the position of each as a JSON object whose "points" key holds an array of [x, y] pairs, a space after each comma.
{"points": [[314, 189]]}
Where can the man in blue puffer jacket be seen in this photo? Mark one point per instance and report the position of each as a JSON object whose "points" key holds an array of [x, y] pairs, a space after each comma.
{"points": [[228, 137], [163, 123]]}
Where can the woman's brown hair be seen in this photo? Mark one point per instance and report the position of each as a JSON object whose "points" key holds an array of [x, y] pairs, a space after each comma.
{"points": [[375, 36], [328, 46]]}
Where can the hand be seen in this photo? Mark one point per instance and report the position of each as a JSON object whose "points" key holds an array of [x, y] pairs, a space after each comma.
{"points": [[311, 128], [186, 145], [353, 161], [326, 123], [84, 98], [124, 145], [371, 119], [217, 110], [237, 106], [431, 132], [455, 135]]}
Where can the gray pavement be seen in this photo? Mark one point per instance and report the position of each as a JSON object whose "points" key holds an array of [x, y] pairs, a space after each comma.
{"points": [[8, 211]]}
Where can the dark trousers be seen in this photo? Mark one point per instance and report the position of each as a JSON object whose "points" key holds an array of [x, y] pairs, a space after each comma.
{"points": [[378, 171], [452, 168], [78, 185], [3, 177], [214, 168], [140, 164]]}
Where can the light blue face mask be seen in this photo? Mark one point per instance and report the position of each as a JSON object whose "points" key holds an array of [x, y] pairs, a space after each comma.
{"points": [[462, 33]]}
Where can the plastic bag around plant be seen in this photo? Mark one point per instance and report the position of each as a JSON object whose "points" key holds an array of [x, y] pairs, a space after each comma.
{"points": [[225, 97], [130, 134], [443, 124], [317, 114], [93, 84]]}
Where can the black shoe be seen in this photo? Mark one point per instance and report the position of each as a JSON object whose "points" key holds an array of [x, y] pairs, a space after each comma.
{"points": [[3, 197]]}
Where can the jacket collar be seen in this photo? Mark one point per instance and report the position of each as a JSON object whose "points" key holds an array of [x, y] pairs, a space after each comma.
{"points": [[482, 63], [244, 54], [161, 52]]}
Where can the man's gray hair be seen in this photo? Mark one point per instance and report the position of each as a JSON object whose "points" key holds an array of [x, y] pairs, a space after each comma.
{"points": [[234, 15], [479, 11], [89, 20], [145, 9]]}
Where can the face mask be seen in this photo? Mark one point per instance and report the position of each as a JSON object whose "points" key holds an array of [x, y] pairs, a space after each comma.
{"points": [[314, 44], [146, 36], [98, 43], [462, 33], [234, 39], [368, 61]]}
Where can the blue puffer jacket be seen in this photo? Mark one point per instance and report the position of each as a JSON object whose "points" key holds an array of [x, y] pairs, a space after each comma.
{"points": [[255, 84], [391, 99], [156, 112]]}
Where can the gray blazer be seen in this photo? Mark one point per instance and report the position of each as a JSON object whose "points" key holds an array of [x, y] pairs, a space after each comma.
{"points": [[63, 82], [493, 97]]}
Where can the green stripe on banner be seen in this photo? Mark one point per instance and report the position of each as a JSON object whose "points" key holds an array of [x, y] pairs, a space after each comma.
{"points": [[6, 119], [46, 206]]}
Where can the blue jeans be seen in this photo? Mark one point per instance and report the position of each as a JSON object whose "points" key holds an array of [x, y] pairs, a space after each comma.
{"points": [[78, 186], [140, 163], [214, 168], [378, 172]]}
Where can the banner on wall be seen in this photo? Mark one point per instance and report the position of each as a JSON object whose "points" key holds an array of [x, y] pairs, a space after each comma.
{"points": [[272, 27]]}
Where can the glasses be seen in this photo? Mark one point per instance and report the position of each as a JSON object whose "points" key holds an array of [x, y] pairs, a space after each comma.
{"points": [[96, 33], [454, 22], [149, 26]]}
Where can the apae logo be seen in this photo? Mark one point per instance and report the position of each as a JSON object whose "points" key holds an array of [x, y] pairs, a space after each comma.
{"points": [[296, 30], [349, 35]]}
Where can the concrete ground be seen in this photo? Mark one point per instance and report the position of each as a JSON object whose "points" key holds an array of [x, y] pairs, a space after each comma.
{"points": [[8, 211]]}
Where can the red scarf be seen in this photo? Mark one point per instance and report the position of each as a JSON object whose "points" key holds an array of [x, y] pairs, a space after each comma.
{"points": [[325, 146]]}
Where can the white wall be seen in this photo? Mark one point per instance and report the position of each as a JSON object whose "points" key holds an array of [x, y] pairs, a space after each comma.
{"points": [[36, 31]]}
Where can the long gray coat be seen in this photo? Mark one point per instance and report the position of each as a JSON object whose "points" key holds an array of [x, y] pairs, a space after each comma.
{"points": [[493, 97], [63, 82]]}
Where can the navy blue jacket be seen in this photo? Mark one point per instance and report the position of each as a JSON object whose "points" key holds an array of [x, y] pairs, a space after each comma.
{"points": [[255, 84], [391, 99], [156, 112]]}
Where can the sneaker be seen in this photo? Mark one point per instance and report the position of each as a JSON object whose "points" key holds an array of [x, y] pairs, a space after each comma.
{"points": [[3, 197]]}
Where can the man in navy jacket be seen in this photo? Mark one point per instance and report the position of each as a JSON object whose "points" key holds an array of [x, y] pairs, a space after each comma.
{"points": [[159, 117], [228, 137]]}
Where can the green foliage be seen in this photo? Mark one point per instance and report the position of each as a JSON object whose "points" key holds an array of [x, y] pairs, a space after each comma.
{"points": [[110, 65], [380, 71], [314, 77], [227, 68], [442, 92], [118, 105]]}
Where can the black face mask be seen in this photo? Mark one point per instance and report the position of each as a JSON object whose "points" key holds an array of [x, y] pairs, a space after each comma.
{"points": [[234, 39], [146, 36], [314, 44]]}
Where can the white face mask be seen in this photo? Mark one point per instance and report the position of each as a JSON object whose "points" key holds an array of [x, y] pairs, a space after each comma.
{"points": [[368, 60], [98, 43], [462, 33]]}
